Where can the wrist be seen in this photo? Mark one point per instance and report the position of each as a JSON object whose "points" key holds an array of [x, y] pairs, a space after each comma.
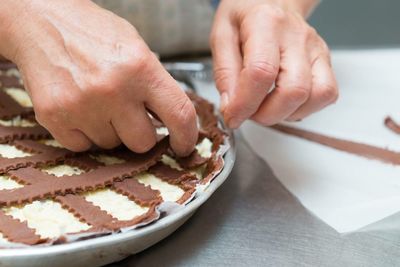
{"points": [[302, 7], [10, 13]]}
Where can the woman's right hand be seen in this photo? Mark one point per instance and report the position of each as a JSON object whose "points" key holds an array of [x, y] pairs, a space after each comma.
{"points": [[92, 78]]}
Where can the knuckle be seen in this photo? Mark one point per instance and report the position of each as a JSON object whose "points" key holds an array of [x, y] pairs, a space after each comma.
{"points": [[297, 93], [43, 111], [67, 104], [266, 11], [264, 119], [146, 143], [221, 77], [105, 87], [184, 112], [329, 93], [138, 60], [263, 71]]}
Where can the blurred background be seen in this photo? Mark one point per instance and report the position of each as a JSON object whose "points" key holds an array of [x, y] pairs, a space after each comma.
{"points": [[177, 27], [358, 23]]}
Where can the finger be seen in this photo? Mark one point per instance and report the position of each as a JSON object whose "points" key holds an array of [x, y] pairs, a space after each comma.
{"points": [[261, 58], [324, 89], [102, 134], [176, 111], [227, 59], [134, 128], [292, 88], [73, 140]]}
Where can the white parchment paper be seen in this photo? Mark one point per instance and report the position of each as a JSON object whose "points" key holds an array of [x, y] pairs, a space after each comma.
{"points": [[346, 191]]}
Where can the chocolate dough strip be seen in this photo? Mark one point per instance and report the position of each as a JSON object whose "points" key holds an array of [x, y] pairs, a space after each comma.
{"points": [[100, 220], [137, 192], [9, 81], [208, 120], [84, 162], [213, 166], [205, 111], [38, 160], [16, 231], [170, 175], [9, 108], [6, 65], [18, 133], [359, 149], [87, 212], [392, 125], [98, 178], [183, 179], [194, 160]]}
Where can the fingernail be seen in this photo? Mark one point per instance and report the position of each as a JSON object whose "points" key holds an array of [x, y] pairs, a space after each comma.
{"points": [[224, 102]]}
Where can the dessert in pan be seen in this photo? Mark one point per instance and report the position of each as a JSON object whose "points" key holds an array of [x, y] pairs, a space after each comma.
{"points": [[50, 195]]}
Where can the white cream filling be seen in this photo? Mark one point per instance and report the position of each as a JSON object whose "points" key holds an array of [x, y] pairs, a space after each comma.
{"points": [[107, 160], [18, 122], [8, 151], [162, 131], [3, 239], [50, 142], [47, 218], [13, 72], [8, 183], [62, 170], [167, 160], [117, 205], [204, 148], [20, 95], [168, 192]]}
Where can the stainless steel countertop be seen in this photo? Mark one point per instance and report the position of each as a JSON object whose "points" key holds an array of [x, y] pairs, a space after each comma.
{"points": [[253, 220]]}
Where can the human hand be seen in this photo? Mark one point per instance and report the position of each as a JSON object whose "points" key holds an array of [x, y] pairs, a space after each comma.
{"points": [[260, 44], [92, 78]]}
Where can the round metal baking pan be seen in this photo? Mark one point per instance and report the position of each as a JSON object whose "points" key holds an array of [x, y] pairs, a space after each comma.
{"points": [[106, 249]]}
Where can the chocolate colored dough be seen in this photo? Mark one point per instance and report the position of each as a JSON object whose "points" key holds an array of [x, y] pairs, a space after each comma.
{"points": [[392, 125], [68, 190], [359, 149]]}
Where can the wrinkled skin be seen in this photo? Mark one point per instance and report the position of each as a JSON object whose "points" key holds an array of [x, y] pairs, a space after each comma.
{"points": [[93, 80], [259, 44]]}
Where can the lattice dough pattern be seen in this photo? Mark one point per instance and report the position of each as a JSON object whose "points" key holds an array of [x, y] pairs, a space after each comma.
{"points": [[48, 192]]}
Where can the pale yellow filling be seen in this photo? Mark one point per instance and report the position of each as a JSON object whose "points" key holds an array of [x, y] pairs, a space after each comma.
{"points": [[62, 170], [204, 148], [168, 192], [107, 160], [51, 142], [117, 205], [48, 218], [7, 183], [20, 95], [18, 122], [167, 160], [8, 151]]}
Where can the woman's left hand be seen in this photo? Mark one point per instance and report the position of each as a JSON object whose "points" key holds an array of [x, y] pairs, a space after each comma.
{"points": [[262, 44]]}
